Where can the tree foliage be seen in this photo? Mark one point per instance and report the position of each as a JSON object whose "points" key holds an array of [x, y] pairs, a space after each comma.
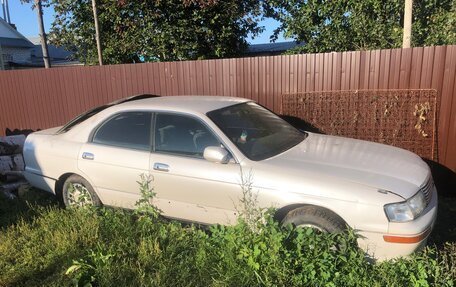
{"points": [[159, 30], [324, 25]]}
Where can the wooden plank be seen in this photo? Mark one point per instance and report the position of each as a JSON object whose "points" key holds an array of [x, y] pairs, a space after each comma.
{"points": [[327, 71], [270, 83], [437, 83], [226, 77], [364, 70], [277, 91], [205, 77], [450, 159], [21, 104], [11, 163], [416, 67], [447, 99], [41, 91], [7, 189], [262, 82], [405, 70], [246, 66], [345, 71], [232, 77], [294, 73], [285, 75], [301, 78], [219, 80], [355, 73], [319, 70], [11, 144], [374, 69], [4, 103], [310, 72], [395, 66], [198, 78], [212, 78], [427, 68], [385, 61], [134, 80]]}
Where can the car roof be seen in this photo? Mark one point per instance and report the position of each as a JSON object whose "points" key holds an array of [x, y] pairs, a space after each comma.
{"points": [[200, 104]]}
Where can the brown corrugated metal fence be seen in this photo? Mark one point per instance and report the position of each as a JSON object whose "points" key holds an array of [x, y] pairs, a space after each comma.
{"points": [[41, 98]]}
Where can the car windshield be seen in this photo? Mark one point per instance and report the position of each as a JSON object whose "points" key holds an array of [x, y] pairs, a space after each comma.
{"points": [[257, 132]]}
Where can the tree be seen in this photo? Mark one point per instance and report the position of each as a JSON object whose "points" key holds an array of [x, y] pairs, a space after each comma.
{"points": [[161, 30], [323, 25]]}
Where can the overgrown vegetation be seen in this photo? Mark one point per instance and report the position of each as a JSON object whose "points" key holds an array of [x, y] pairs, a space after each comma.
{"points": [[50, 246]]}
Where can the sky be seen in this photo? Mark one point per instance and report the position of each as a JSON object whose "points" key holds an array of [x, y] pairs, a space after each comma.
{"points": [[26, 22]]}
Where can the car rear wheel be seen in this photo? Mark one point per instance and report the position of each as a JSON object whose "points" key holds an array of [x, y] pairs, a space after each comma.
{"points": [[320, 219], [78, 192]]}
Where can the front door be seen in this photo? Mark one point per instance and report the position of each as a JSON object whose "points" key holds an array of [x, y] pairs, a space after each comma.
{"points": [[188, 186]]}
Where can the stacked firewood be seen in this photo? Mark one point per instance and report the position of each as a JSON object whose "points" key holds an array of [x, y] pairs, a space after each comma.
{"points": [[11, 164]]}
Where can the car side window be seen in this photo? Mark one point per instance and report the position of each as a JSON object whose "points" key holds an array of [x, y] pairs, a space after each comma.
{"points": [[130, 130], [182, 135]]}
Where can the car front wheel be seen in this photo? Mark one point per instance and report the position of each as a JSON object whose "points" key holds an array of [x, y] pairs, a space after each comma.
{"points": [[320, 219]]}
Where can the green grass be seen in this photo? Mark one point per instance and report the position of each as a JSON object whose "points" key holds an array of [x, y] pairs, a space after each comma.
{"points": [[42, 244]]}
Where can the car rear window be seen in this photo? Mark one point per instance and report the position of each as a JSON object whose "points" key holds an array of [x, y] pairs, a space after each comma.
{"points": [[82, 117], [130, 129]]}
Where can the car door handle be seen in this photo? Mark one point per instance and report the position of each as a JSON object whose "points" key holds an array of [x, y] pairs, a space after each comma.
{"points": [[88, 155], [161, 166]]}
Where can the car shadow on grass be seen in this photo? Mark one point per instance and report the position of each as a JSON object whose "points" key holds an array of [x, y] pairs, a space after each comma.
{"points": [[23, 205], [445, 182]]}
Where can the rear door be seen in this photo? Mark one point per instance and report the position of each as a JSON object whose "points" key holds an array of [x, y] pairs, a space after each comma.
{"points": [[116, 156]]}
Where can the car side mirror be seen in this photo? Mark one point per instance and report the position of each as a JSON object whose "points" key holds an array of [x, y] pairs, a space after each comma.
{"points": [[216, 154]]}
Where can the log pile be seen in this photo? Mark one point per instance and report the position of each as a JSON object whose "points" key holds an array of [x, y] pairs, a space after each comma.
{"points": [[11, 164]]}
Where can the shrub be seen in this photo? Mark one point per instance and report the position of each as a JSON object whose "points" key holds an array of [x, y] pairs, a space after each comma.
{"points": [[112, 247]]}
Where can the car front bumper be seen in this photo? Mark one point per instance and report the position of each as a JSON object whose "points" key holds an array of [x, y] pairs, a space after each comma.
{"points": [[402, 239]]}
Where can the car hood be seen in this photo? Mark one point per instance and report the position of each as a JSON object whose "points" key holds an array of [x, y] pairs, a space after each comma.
{"points": [[343, 159]]}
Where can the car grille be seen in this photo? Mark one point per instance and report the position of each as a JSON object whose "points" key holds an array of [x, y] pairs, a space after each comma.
{"points": [[426, 188]]}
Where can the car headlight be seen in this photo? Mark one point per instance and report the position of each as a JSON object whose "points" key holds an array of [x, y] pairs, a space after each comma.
{"points": [[407, 210]]}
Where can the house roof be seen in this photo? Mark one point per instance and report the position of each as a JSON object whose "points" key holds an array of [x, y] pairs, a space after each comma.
{"points": [[15, 42], [55, 52], [272, 47], [10, 37]]}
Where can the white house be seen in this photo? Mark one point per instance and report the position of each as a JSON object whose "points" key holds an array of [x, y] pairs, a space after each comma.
{"points": [[14, 47]]}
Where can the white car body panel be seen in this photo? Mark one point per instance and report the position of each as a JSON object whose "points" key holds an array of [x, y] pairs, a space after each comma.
{"points": [[340, 174], [114, 171]]}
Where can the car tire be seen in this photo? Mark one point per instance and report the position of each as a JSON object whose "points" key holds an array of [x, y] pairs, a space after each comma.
{"points": [[315, 217], [77, 191]]}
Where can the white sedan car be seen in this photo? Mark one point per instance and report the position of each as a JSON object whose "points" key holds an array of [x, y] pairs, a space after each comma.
{"points": [[196, 147]]}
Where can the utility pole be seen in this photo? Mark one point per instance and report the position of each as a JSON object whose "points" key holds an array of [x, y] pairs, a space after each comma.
{"points": [[7, 12], [43, 39], [407, 24], [2, 64], [4, 10], [97, 32]]}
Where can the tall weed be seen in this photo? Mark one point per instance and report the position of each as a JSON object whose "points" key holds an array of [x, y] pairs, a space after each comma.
{"points": [[111, 247]]}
